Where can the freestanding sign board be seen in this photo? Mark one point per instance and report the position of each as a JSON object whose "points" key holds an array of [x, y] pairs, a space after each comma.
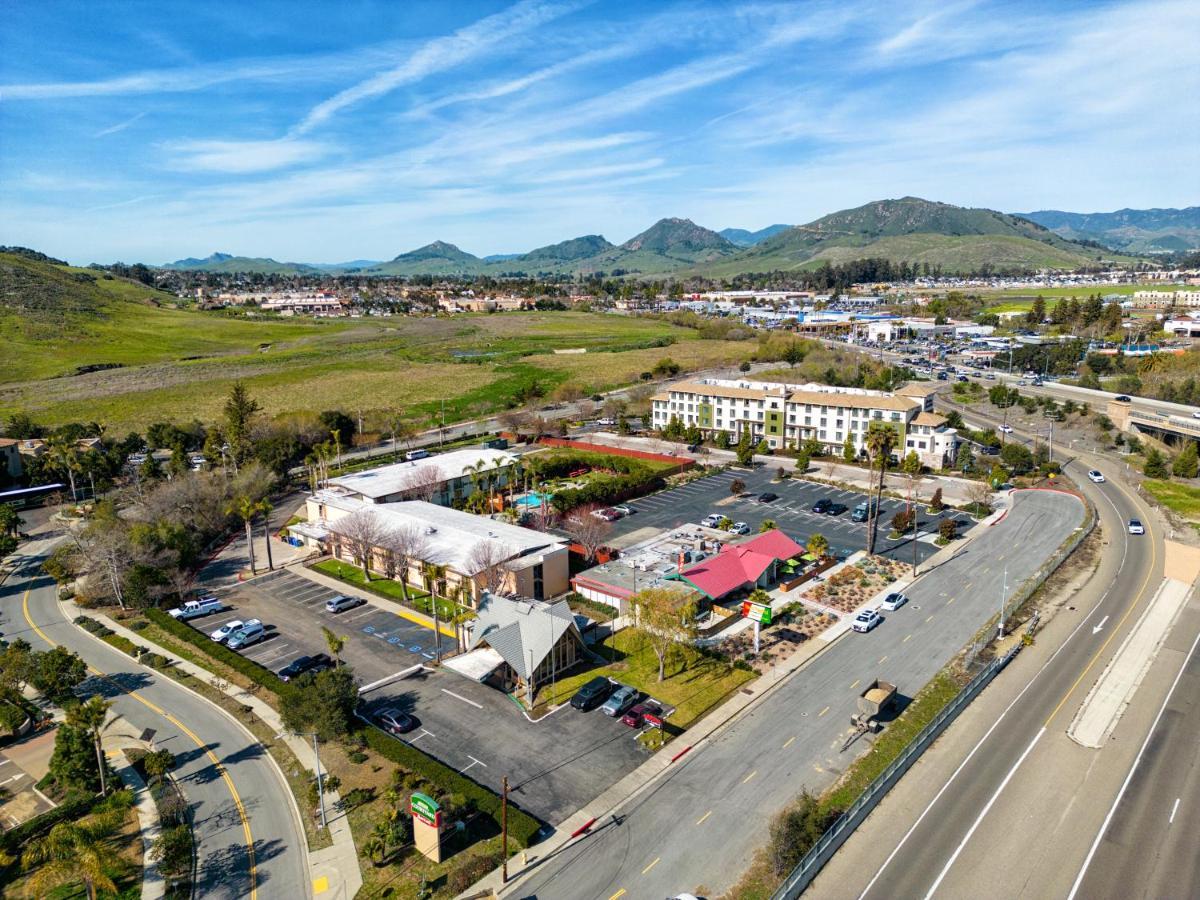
{"points": [[758, 612], [427, 826]]}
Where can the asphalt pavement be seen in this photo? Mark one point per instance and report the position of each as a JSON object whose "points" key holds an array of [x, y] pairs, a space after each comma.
{"points": [[249, 841], [697, 828]]}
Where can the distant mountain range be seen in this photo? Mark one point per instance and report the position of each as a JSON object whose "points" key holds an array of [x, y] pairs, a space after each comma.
{"points": [[953, 238], [1128, 230]]}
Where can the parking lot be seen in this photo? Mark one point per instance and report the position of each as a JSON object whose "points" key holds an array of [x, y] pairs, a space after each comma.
{"points": [[554, 766], [792, 512]]}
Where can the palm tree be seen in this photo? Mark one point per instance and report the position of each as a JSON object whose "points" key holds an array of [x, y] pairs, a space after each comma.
{"points": [[247, 508], [881, 438], [265, 508], [818, 545], [62, 454], [767, 525], [90, 717], [335, 643], [73, 852]]}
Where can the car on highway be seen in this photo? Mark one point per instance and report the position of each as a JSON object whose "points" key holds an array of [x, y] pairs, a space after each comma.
{"points": [[822, 506], [894, 601], [740, 528], [592, 694], [341, 603], [1096, 475], [221, 635], [646, 713], [302, 664], [1005, 429], [395, 722], [1136, 527], [866, 620], [767, 497], [1196, 415], [620, 700], [250, 633], [1123, 398], [836, 509]]}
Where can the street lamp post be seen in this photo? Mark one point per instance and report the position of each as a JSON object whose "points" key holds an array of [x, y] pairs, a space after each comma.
{"points": [[320, 777], [1003, 601]]}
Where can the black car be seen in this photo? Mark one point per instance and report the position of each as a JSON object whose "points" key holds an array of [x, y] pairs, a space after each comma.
{"points": [[822, 505], [303, 664], [836, 509], [767, 497], [592, 694]]}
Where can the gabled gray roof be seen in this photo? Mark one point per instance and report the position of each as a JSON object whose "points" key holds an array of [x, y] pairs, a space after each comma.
{"points": [[521, 629]]}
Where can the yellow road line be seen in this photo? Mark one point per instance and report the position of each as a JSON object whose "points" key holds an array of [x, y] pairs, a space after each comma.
{"points": [[620, 893], [882, 660], [652, 865], [856, 683], [703, 817], [951, 600], [788, 742], [237, 800], [822, 712], [746, 780]]}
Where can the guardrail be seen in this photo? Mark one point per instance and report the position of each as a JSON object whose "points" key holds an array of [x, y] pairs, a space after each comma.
{"points": [[829, 843]]}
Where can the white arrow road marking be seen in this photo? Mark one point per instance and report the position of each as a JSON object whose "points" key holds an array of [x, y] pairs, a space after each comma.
{"points": [[1097, 628]]}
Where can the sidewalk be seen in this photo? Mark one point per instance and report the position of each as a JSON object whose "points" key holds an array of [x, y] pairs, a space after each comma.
{"points": [[153, 885], [334, 869]]}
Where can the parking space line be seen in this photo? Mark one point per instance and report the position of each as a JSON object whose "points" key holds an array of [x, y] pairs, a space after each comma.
{"points": [[703, 817], [788, 742], [906, 640], [424, 732], [822, 712], [462, 698], [474, 762], [620, 893], [930, 619], [882, 660], [746, 780], [856, 683], [652, 865]]}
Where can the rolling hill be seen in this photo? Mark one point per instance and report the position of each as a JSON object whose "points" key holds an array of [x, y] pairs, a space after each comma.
{"points": [[228, 264], [744, 238], [1127, 230], [958, 239]]}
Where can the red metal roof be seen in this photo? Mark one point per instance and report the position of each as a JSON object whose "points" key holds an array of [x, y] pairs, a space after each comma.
{"points": [[740, 565]]}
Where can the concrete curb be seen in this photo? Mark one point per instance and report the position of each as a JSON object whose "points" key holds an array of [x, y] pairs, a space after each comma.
{"points": [[372, 599]]}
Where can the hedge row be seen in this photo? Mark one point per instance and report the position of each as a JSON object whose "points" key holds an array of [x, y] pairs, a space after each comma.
{"points": [[522, 827], [218, 652]]}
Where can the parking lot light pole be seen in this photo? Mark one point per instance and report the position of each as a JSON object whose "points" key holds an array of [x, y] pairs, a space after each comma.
{"points": [[1003, 600], [320, 778]]}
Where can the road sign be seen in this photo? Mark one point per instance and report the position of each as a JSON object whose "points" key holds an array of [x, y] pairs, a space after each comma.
{"points": [[758, 612]]}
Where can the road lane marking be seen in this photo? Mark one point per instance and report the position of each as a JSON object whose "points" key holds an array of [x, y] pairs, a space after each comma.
{"points": [[1171, 820], [703, 817], [930, 619], [951, 600], [788, 742], [882, 660], [746, 780], [462, 698], [620, 893], [822, 712], [905, 641], [652, 865], [856, 683]]}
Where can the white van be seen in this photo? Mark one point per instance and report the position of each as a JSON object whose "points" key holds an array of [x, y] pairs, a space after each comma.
{"points": [[412, 455], [250, 633], [193, 609]]}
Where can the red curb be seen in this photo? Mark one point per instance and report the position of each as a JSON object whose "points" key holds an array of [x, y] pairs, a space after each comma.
{"points": [[680, 754], [586, 826]]}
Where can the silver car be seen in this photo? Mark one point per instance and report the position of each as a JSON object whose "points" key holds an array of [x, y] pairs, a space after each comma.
{"points": [[619, 701]]}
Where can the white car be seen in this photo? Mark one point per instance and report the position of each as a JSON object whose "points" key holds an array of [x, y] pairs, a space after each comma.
{"points": [[711, 521], [222, 634], [740, 528], [1005, 429], [1136, 527], [893, 601], [866, 620], [1097, 476]]}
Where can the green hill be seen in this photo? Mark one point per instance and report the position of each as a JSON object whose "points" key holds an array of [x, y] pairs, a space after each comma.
{"points": [[958, 239], [438, 258], [224, 263], [1127, 230]]}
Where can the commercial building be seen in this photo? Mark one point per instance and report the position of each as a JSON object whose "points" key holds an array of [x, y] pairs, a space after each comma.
{"points": [[442, 479], [785, 415], [452, 553], [1187, 326], [741, 567], [1166, 299]]}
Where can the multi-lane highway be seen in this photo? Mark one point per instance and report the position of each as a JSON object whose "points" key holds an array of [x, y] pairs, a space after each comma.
{"points": [[249, 840], [697, 828]]}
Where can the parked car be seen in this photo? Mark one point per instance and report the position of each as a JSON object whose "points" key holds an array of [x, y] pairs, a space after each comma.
{"points": [[1136, 527], [711, 521], [413, 455], [302, 664], [395, 722], [767, 497], [622, 698], [592, 694], [250, 633], [341, 603], [740, 528], [822, 506], [862, 512], [222, 634], [624, 510], [193, 609], [866, 620], [836, 509], [1097, 476], [894, 601], [646, 713]]}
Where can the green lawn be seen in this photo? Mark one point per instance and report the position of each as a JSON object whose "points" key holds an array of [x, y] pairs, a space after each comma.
{"points": [[694, 683], [386, 587], [1183, 499]]}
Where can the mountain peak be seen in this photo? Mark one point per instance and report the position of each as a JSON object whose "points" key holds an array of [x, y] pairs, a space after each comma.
{"points": [[436, 250], [670, 234]]}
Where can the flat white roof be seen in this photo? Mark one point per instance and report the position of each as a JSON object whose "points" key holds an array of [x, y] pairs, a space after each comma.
{"points": [[396, 477]]}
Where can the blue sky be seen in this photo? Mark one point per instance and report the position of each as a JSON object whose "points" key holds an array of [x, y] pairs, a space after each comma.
{"points": [[327, 132]]}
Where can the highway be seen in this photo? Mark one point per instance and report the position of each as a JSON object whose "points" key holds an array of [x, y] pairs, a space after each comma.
{"points": [[1014, 799], [697, 828], [249, 841]]}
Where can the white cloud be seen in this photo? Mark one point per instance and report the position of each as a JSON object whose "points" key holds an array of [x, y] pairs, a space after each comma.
{"points": [[242, 157], [120, 126]]}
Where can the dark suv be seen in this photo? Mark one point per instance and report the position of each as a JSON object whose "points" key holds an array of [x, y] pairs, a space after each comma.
{"points": [[303, 664], [822, 506], [592, 694]]}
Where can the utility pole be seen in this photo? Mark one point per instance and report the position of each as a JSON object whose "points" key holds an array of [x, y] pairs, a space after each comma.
{"points": [[267, 540], [437, 631], [504, 830], [1003, 601]]}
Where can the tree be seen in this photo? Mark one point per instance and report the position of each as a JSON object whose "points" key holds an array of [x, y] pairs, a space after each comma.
{"points": [[848, 451], [737, 487], [404, 546], [980, 495], [247, 509], [488, 560], [881, 438], [57, 672], [239, 410], [73, 762], [818, 545], [10, 520], [744, 366], [767, 525], [587, 530], [1155, 465], [745, 448], [172, 851], [901, 521], [158, 763], [1016, 458], [1037, 313], [363, 532], [964, 461], [1187, 463], [794, 354], [323, 703], [89, 717], [947, 530], [935, 502], [794, 831], [74, 852], [335, 643], [663, 616]]}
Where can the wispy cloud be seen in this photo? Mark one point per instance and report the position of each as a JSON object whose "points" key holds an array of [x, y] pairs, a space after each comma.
{"points": [[241, 157], [120, 126]]}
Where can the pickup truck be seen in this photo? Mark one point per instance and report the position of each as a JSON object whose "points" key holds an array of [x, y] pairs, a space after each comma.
{"points": [[193, 609]]}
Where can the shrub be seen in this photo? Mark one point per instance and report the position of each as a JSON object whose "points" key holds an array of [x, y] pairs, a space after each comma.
{"points": [[948, 529], [794, 831], [470, 871], [124, 644], [357, 797], [154, 660], [356, 756], [138, 625]]}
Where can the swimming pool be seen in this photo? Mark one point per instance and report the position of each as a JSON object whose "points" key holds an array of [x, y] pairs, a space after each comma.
{"points": [[533, 498]]}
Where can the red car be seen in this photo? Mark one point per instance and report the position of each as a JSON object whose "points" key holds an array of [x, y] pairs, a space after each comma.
{"points": [[647, 713]]}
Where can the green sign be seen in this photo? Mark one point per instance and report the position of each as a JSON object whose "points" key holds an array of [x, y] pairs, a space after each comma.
{"points": [[426, 809], [758, 612]]}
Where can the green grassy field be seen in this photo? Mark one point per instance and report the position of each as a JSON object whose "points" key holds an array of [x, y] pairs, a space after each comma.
{"points": [[1080, 292], [1183, 499]]}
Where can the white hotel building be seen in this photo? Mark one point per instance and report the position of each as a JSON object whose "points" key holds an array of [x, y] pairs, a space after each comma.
{"points": [[784, 415]]}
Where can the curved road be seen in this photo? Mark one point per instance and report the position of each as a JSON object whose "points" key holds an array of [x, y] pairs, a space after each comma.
{"points": [[249, 841]]}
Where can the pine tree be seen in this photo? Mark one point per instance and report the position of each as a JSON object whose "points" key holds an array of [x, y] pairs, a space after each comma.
{"points": [[1187, 464]]}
